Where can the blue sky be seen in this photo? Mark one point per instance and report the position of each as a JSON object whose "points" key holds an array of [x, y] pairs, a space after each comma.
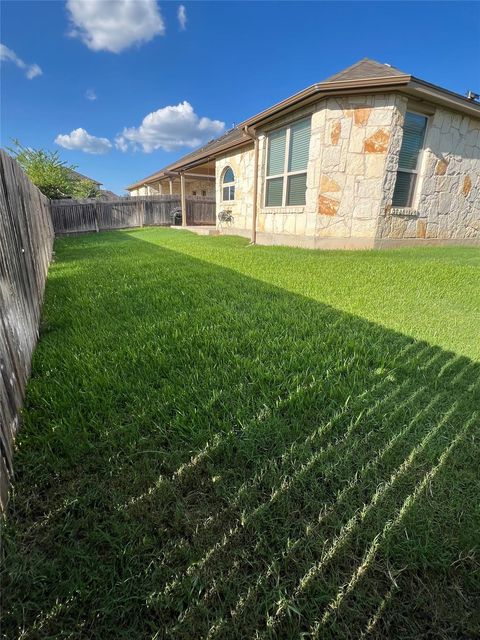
{"points": [[226, 62]]}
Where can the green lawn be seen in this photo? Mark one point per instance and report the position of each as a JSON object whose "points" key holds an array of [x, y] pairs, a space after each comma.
{"points": [[225, 441]]}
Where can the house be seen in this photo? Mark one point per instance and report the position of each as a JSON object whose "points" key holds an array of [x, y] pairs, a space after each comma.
{"points": [[104, 194], [79, 176], [370, 157]]}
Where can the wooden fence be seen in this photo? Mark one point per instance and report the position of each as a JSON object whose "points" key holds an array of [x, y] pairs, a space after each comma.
{"points": [[79, 216], [26, 239]]}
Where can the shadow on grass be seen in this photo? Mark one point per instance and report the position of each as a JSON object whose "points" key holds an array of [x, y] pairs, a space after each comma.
{"points": [[206, 455]]}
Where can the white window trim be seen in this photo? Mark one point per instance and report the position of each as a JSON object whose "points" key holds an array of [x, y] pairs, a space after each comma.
{"points": [[419, 171], [228, 184], [286, 173]]}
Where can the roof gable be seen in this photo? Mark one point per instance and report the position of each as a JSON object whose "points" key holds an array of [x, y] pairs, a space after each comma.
{"points": [[365, 69]]}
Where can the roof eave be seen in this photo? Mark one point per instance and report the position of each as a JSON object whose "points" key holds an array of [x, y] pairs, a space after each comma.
{"points": [[323, 89], [438, 95]]}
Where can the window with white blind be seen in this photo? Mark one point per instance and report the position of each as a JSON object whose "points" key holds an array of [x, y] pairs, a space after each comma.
{"points": [[287, 159], [414, 129], [228, 185]]}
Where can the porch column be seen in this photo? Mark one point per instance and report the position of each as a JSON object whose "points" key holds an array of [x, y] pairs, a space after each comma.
{"points": [[183, 200], [170, 181]]}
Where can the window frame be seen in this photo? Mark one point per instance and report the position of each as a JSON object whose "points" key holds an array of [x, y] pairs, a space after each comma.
{"points": [[229, 185], [286, 173], [418, 170]]}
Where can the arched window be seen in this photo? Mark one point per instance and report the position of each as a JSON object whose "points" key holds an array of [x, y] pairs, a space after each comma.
{"points": [[228, 185]]}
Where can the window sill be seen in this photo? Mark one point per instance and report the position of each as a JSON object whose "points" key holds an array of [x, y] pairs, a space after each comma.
{"points": [[299, 209], [404, 211]]}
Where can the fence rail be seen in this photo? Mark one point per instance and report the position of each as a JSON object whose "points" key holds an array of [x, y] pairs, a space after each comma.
{"points": [[26, 239], [80, 216]]}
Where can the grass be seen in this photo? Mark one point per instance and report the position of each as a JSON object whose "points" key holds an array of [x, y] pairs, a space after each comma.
{"points": [[223, 441]]}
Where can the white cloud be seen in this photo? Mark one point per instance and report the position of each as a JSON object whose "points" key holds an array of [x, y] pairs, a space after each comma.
{"points": [[114, 25], [90, 94], [31, 70], [170, 128], [182, 17], [80, 140]]}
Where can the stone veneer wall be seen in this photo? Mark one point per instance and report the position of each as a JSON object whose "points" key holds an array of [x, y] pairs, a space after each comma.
{"points": [[447, 201], [241, 162], [350, 141]]}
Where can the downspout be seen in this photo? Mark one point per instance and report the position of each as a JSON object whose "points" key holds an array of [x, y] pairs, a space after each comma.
{"points": [[254, 137]]}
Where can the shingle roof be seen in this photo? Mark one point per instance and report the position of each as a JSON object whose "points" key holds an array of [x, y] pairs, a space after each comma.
{"points": [[80, 176], [364, 69], [230, 138]]}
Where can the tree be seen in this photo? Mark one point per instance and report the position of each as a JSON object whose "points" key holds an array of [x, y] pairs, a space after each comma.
{"points": [[55, 178]]}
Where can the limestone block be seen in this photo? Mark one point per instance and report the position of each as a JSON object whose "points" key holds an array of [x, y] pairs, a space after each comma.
{"points": [[381, 117], [355, 164], [421, 228], [289, 224], [327, 206], [367, 187], [335, 132], [331, 158], [374, 165], [357, 139], [377, 142], [363, 228], [444, 202], [467, 185], [441, 167], [364, 209], [278, 223], [328, 185], [432, 230], [269, 222]]}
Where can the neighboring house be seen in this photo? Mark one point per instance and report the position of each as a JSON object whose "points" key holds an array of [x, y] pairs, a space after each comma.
{"points": [[371, 157], [105, 194], [80, 176]]}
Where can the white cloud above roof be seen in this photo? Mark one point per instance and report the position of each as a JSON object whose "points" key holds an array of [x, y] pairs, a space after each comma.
{"points": [[90, 94], [80, 140], [170, 128], [182, 17], [31, 70], [114, 25]]}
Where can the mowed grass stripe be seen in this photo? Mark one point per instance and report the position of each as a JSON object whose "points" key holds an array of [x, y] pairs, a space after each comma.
{"points": [[209, 424]]}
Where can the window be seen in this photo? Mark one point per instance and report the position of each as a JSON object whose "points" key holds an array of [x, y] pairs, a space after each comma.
{"points": [[228, 185], [413, 135], [204, 193], [194, 193], [287, 159]]}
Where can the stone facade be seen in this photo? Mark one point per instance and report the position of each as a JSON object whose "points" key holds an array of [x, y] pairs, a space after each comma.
{"points": [[242, 165], [353, 160], [447, 201]]}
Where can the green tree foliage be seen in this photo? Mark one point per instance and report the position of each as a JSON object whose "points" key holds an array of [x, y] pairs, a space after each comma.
{"points": [[54, 177]]}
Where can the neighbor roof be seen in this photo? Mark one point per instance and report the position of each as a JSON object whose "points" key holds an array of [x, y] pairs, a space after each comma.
{"points": [[366, 74], [80, 176]]}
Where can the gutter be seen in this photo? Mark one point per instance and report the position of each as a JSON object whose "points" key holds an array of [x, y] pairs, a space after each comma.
{"points": [[254, 137]]}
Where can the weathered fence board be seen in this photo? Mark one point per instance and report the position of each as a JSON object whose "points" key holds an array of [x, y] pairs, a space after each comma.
{"points": [[80, 216], [26, 239]]}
